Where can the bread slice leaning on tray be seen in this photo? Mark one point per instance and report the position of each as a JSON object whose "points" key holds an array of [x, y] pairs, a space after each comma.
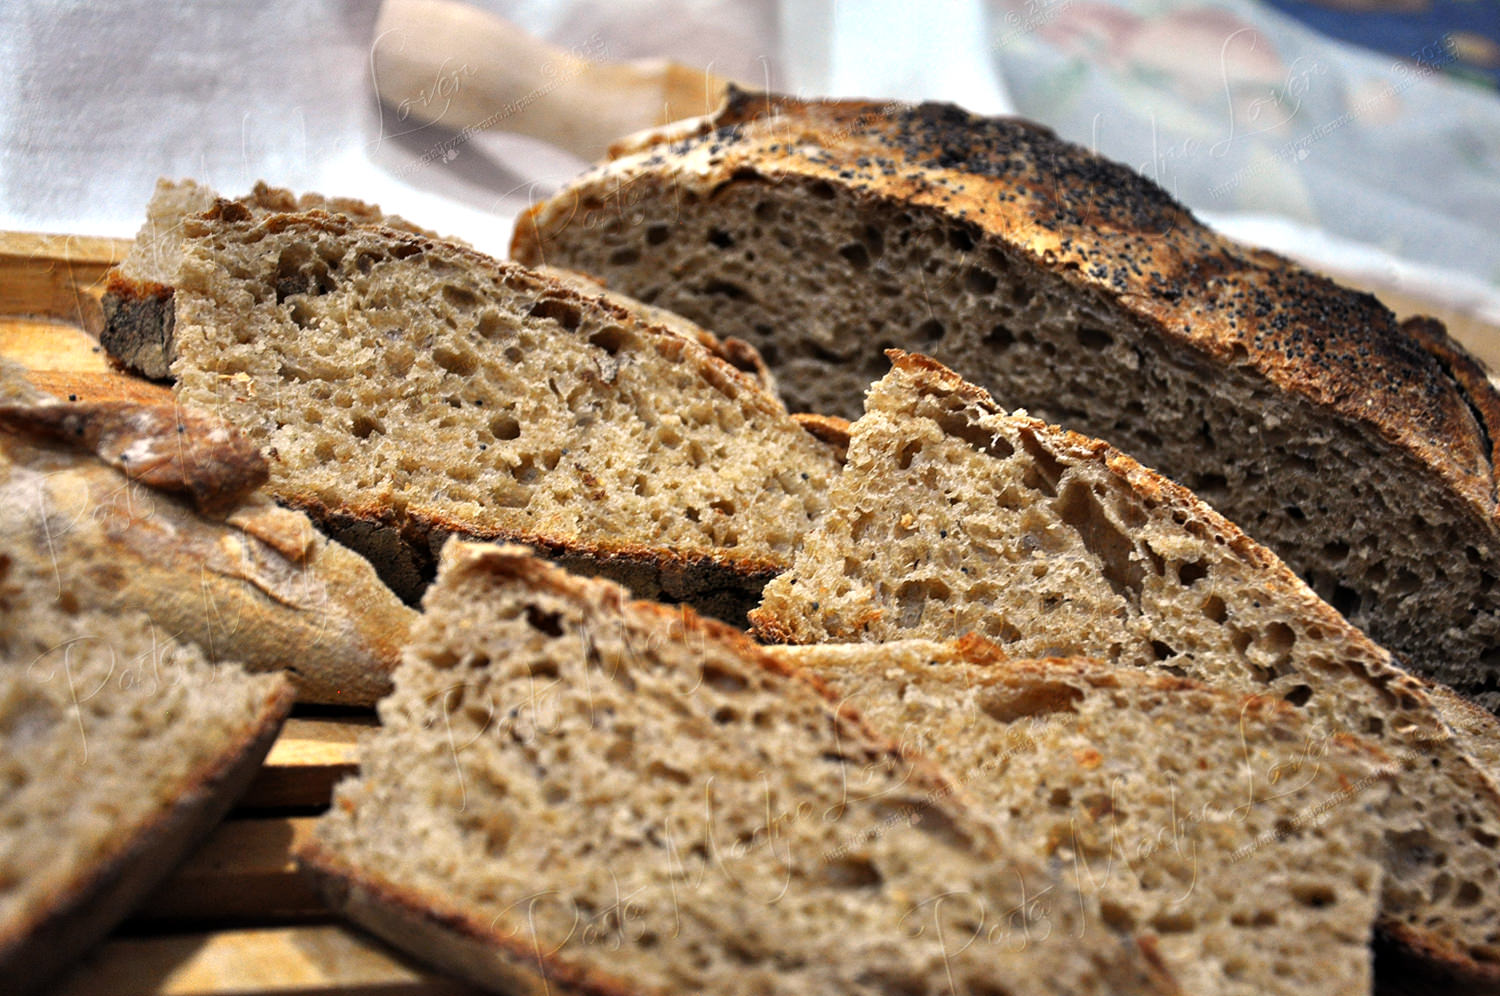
{"points": [[1247, 842], [137, 507], [405, 389], [952, 516], [122, 741], [573, 792], [1362, 451]]}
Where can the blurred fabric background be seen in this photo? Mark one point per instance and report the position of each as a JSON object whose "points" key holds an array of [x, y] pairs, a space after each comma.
{"points": [[1361, 135]]}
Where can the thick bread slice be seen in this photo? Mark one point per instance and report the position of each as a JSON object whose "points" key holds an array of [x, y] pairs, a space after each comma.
{"points": [[822, 232], [954, 517], [571, 792], [1225, 825], [138, 312], [406, 389], [88, 502], [119, 748]]}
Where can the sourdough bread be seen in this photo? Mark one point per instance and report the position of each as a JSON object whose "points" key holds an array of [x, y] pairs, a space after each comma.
{"points": [[823, 232], [1226, 826], [405, 389], [119, 747], [571, 792], [127, 507], [953, 517]]}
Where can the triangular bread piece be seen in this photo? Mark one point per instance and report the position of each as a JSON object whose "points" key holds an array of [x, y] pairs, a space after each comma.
{"points": [[1245, 841], [955, 517], [571, 792]]}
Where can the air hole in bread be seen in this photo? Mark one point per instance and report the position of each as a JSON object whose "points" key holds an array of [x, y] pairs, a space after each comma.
{"points": [[1299, 696], [1173, 922], [822, 190], [1012, 704], [625, 256], [549, 623], [958, 425], [723, 680], [905, 455], [856, 254], [961, 239], [657, 234], [1315, 895], [1092, 338], [1079, 507], [1044, 470], [854, 873], [980, 282], [723, 288], [720, 238], [912, 598], [562, 312], [462, 363], [460, 298], [610, 338], [363, 425], [1192, 571], [929, 331], [503, 426]]}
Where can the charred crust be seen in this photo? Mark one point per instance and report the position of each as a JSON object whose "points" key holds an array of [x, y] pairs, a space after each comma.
{"points": [[139, 321], [1412, 960]]}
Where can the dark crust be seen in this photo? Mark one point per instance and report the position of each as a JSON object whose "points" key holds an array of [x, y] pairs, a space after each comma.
{"points": [[829, 428], [405, 549], [138, 325], [1409, 961], [37, 953], [165, 447], [1101, 227]]}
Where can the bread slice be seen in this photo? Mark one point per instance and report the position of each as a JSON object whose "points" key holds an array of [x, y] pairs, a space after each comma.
{"points": [[953, 517], [119, 747], [129, 507], [1225, 825], [1362, 452], [137, 300], [406, 389], [571, 792]]}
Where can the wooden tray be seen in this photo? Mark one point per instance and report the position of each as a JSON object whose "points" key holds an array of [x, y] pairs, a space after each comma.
{"points": [[236, 918]]}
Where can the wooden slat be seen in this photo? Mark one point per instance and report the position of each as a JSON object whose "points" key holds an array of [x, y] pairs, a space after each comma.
{"points": [[293, 961], [56, 276], [307, 760], [244, 871]]}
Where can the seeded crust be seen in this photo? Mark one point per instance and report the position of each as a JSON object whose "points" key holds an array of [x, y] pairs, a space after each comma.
{"points": [[954, 517], [572, 792], [89, 502], [822, 232], [407, 390], [1225, 825], [120, 747]]}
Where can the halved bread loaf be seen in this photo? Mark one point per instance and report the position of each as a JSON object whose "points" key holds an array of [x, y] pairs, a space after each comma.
{"points": [[128, 507], [406, 389], [571, 792], [1227, 826], [119, 747], [953, 517], [822, 232]]}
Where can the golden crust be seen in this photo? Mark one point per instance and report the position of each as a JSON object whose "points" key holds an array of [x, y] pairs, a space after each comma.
{"points": [[1099, 226]]}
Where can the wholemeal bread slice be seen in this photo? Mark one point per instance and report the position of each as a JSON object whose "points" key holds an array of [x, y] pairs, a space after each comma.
{"points": [[119, 748], [1225, 825], [822, 232], [954, 517], [571, 792], [406, 389], [130, 507]]}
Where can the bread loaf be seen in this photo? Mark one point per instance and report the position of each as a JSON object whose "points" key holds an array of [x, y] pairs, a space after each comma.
{"points": [[1245, 841], [823, 232], [138, 508], [120, 746], [953, 517], [405, 389]]}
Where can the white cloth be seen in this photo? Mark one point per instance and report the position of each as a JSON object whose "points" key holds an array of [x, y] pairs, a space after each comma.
{"points": [[98, 100]]}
